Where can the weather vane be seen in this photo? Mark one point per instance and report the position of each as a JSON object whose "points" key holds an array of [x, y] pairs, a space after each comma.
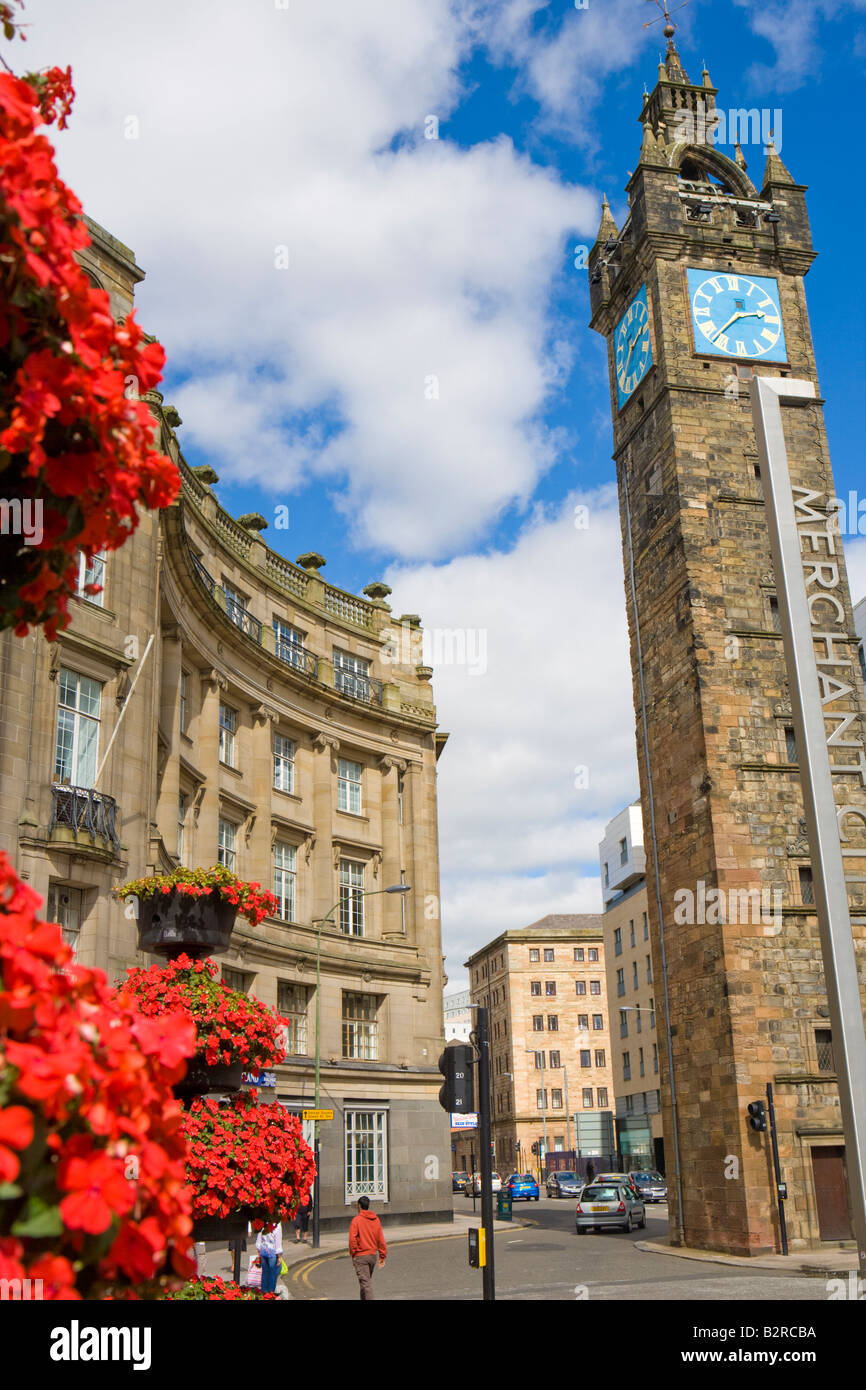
{"points": [[670, 28]]}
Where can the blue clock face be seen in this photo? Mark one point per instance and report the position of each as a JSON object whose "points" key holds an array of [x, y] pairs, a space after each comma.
{"points": [[737, 315], [632, 347]]}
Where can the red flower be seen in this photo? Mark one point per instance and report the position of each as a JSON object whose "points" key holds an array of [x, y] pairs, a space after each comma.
{"points": [[98, 1191]]}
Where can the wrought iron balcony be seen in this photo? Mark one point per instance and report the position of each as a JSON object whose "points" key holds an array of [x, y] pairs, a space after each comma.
{"points": [[241, 618], [82, 808], [234, 610], [358, 687], [296, 656]]}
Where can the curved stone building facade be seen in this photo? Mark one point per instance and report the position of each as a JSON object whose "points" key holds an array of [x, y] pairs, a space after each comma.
{"points": [[216, 702]]}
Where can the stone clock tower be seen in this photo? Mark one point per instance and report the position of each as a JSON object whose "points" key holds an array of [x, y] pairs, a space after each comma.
{"points": [[700, 289]]}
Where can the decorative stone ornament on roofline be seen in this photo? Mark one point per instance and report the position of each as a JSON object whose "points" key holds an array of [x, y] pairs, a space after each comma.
{"points": [[311, 561]]}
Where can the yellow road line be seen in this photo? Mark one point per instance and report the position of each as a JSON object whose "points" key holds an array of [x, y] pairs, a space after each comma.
{"points": [[301, 1274]]}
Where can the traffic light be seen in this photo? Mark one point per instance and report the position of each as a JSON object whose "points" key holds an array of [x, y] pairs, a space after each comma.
{"points": [[458, 1094], [535, 1148], [757, 1115]]}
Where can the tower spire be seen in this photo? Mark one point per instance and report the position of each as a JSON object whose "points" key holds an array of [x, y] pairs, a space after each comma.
{"points": [[672, 68]]}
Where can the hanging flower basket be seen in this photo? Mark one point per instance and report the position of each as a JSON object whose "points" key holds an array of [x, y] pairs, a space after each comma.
{"points": [[193, 911], [223, 1228], [234, 1032], [247, 1158], [201, 1078]]}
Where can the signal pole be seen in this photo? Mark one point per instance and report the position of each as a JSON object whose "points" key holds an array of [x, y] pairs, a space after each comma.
{"points": [[482, 1044]]}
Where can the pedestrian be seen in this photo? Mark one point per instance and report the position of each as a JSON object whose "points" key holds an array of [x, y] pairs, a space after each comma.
{"points": [[366, 1241], [590, 1171], [302, 1220], [270, 1248]]}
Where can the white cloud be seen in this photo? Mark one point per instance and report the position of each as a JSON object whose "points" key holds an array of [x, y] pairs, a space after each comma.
{"points": [[792, 28], [562, 54], [261, 128], [518, 838]]}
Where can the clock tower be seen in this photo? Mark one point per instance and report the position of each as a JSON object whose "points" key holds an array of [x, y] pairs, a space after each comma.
{"points": [[700, 289]]}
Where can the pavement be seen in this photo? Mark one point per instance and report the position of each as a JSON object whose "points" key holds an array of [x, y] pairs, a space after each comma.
{"points": [[217, 1259], [798, 1262]]}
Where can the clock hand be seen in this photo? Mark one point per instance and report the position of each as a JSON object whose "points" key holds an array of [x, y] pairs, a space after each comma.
{"points": [[740, 314], [631, 347]]}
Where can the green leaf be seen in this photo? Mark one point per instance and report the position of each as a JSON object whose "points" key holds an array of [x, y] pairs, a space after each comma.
{"points": [[39, 1220], [9, 1190]]}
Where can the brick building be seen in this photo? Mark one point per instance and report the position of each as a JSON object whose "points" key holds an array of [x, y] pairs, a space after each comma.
{"points": [[263, 728], [701, 288], [631, 992], [544, 986]]}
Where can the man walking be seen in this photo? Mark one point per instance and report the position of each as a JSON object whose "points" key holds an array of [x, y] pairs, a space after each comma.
{"points": [[366, 1241]]}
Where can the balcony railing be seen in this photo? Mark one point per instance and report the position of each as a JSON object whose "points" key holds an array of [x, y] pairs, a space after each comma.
{"points": [[358, 687], [234, 610], [81, 808], [241, 618], [296, 656]]}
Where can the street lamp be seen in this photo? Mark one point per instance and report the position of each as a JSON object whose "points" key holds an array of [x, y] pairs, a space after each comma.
{"points": [[364, 893], [543, 1100]]}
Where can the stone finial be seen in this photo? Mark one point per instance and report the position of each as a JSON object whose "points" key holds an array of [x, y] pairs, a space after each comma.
{"points": [[172, 417], [311, 561], [740, 158], [377, 591], [206, 474], [774, 169], [607, 228], [252, 521], [705, 76]]}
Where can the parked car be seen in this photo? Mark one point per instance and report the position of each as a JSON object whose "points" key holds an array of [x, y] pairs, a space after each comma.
{"points": [[620, 1178], [564, 1184], [459, 1181], [522, 1185], [651, 1186], [605, 1204], [473, 1187]]}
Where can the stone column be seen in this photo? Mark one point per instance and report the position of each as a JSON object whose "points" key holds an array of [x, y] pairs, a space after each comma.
{"points": [[326, 747], [206, 805], [262, 780], [392, 918], [414, 851], [169, 722]]}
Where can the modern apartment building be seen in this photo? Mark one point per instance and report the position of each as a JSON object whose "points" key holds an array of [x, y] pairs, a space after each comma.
{"points": [[217, 703], [458, 1016], [550, 1063], [631, 992]]}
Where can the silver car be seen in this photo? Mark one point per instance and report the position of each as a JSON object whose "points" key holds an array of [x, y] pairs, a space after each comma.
{"points": [[651, 1185], [564, 1185], [609, 1204]]}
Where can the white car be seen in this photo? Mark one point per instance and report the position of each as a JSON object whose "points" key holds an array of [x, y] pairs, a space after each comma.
{"points": [[473, 1188]]}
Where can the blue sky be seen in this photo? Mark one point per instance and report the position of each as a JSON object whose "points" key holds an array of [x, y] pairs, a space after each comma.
{"points": [[300, 128]]}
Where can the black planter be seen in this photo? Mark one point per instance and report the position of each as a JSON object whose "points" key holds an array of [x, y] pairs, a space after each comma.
{"points": [[222, 1228], [200, 1078], [175, 924]]}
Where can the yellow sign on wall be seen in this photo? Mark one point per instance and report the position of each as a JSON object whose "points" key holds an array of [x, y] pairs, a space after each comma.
{"points": [[317, 1114]]}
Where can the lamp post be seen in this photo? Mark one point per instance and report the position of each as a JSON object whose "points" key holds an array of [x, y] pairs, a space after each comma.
{"points": [[543, 1104], [364, 893]]}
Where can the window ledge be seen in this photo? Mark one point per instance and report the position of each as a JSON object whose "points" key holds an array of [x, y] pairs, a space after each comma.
{"points": [[355, 815], [292, 796], [227, 767]]}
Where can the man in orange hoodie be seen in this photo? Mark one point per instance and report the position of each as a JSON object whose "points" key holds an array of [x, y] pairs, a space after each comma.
{"points": [[366, 1241]]}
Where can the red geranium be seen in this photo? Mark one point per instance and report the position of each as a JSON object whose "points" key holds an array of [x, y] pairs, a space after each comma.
{"points": [[91, 1142], [214, 1287], [245, 1155], [76, 441], [230, 1026]]}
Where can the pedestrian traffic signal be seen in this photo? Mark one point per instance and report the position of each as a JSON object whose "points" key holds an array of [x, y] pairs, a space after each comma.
{"points": [[458, 1094], [757, 1115], [535, 1148]]}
